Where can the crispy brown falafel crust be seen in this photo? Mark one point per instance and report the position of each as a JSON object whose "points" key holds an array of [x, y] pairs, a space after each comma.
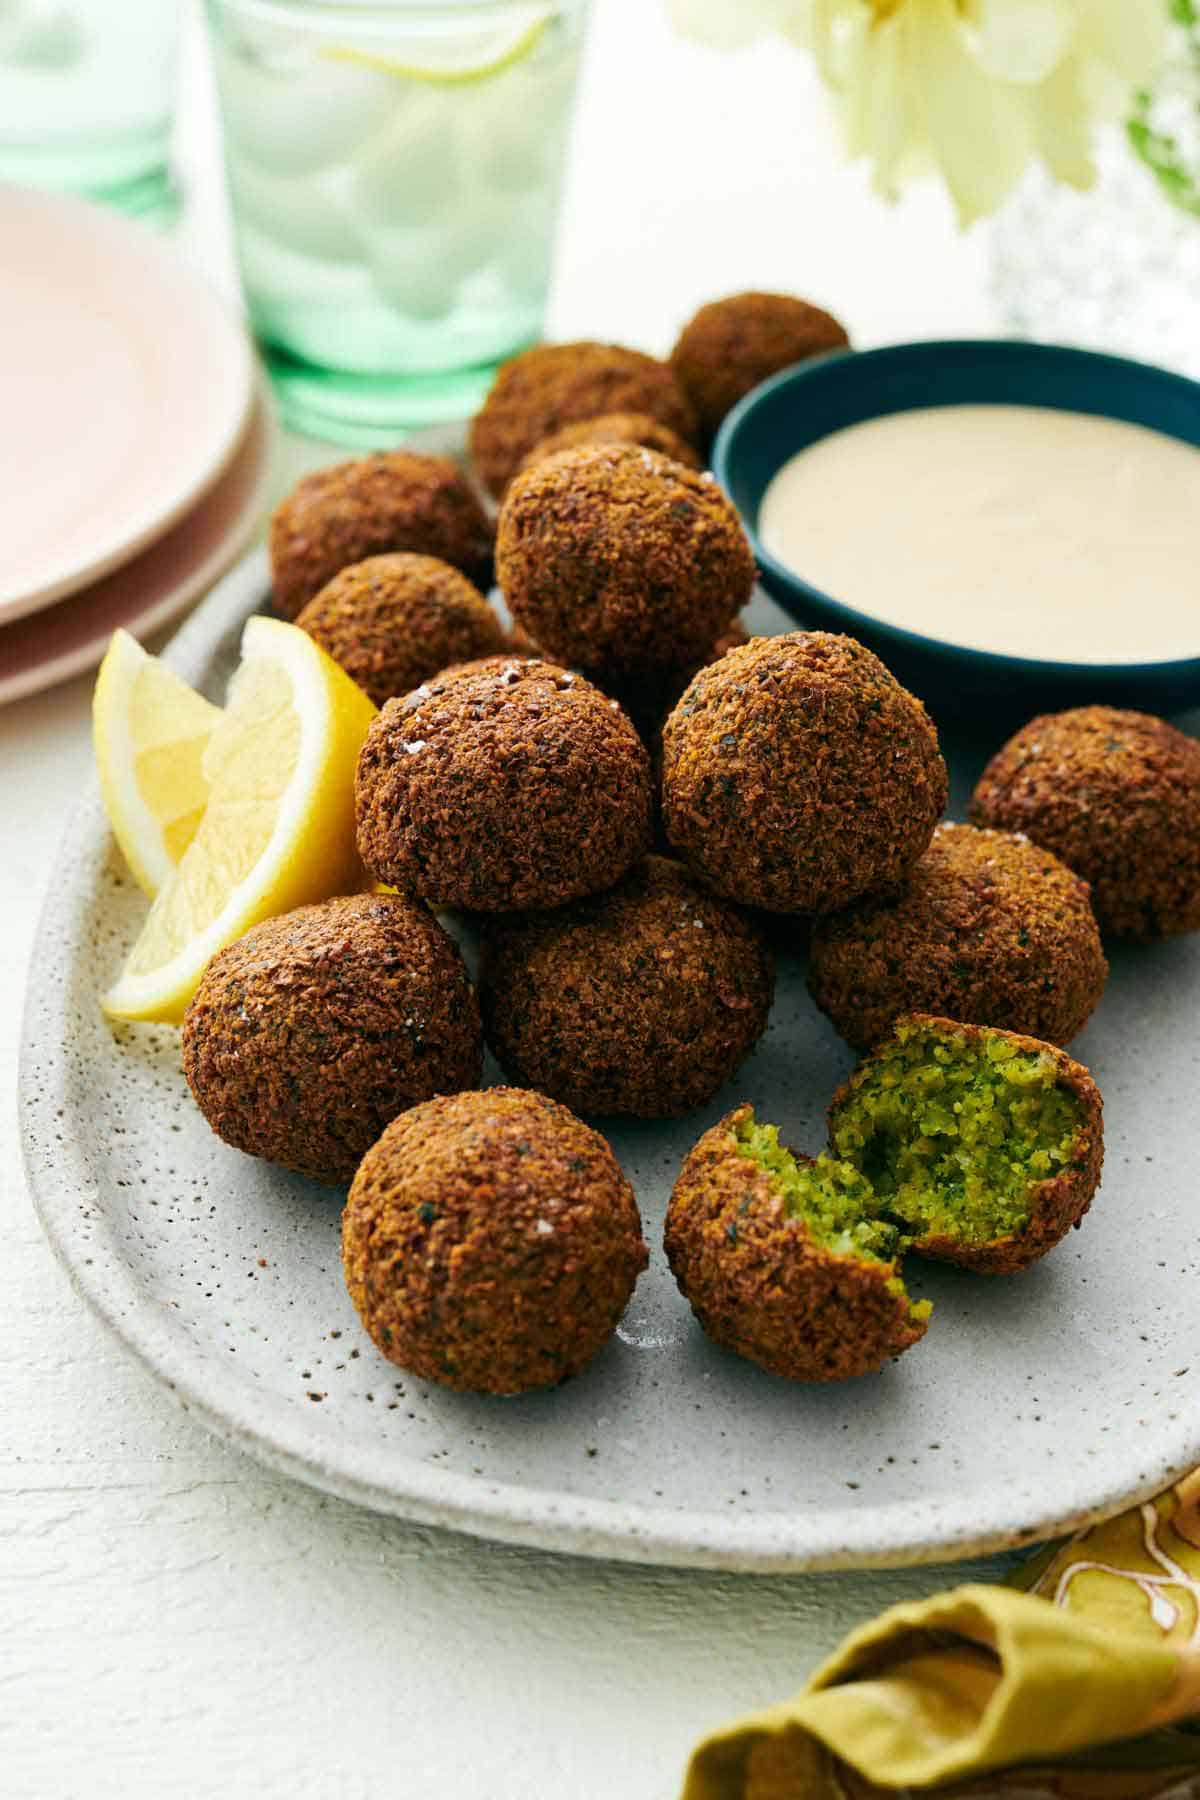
{"points": [[731, 345], [799, 775], [645, 699], [1055, 1205], [391, 621], [758, 1283], [649, 697], [616, 428], [502, 784], [616, 558], [988, 928], [553, 385], [1116, 795], [306, 1036], [490, 1242], [643, 1000], [395, 500]]}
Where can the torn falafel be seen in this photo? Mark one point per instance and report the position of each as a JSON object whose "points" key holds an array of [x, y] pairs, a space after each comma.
{"points": [[988, 928], [798, 775], [615, 558], [956, 1142], [309, 1034], [490, 1242], [642, 1000], [780, 1260], [986, 1145], [1116, 795], [394, 500], [500, 785]]}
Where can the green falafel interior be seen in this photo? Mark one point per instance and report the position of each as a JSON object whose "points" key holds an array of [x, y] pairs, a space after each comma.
{"points": [[941, 1133], [953, 1137], [832, 1197], [837, 1204]]}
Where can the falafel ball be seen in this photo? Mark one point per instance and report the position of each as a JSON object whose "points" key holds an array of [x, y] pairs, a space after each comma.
{"points": [[502, 784], [490, 1242], [309, 1034], [615, 428], [552, 385], [986, 1145], [798, 775], [988, 929], [643, 1000], [395, 500], [780, 1260], [646, 699], [1116, 795], [731, 345], [393, 620], [616, 558], [649, 697]]}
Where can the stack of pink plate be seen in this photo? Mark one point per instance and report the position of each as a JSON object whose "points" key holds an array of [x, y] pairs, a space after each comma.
{"points": [[135, 436]]}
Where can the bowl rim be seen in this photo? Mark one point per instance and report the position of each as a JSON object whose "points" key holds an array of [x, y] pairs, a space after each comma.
{"points": [[779, 576]]}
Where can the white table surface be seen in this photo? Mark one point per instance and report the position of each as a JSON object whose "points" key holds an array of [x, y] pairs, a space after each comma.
{"points": [[174, 1620]]}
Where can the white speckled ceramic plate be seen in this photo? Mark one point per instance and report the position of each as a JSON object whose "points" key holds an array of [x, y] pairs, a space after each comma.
{"points": [[1034, 1404]]}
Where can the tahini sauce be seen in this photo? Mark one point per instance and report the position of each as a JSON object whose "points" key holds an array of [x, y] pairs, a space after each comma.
{"points": [[1019, 529]]}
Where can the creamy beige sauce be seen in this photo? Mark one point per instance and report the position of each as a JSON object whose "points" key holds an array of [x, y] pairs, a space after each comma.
{"points": [[1018, 529]]}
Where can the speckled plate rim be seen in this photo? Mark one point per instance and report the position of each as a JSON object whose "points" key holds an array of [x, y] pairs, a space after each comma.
{"points": [[1100, 374], [314, 1451]]}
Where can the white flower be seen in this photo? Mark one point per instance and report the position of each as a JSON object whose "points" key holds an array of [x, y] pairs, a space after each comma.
{"points": [[728, 24], [974, 87]]}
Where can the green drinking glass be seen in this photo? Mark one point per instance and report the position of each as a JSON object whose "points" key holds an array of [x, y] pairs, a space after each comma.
{"points": [[87, 92], [395, 172]]}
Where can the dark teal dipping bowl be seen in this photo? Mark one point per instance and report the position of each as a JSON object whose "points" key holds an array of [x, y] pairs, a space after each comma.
{"points": [[808, 402]]}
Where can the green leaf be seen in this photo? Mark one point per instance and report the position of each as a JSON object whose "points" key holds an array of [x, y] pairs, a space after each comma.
{"points": [[1176, 171]]}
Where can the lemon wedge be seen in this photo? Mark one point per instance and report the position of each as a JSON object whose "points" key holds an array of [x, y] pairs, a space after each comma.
{"points": [[450, 75], [278, 829], [149, 730]]}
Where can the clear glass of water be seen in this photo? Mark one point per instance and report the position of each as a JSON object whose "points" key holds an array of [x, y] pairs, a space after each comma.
{"points": [[87, 92], [395, 171]]}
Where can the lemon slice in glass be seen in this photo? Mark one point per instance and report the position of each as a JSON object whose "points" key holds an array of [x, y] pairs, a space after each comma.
{"points": [[278, 829], [489, 57], [149, 730]]}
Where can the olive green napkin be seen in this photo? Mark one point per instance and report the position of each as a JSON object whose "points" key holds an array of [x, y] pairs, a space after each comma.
{"points": [[1079, 1687]]}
